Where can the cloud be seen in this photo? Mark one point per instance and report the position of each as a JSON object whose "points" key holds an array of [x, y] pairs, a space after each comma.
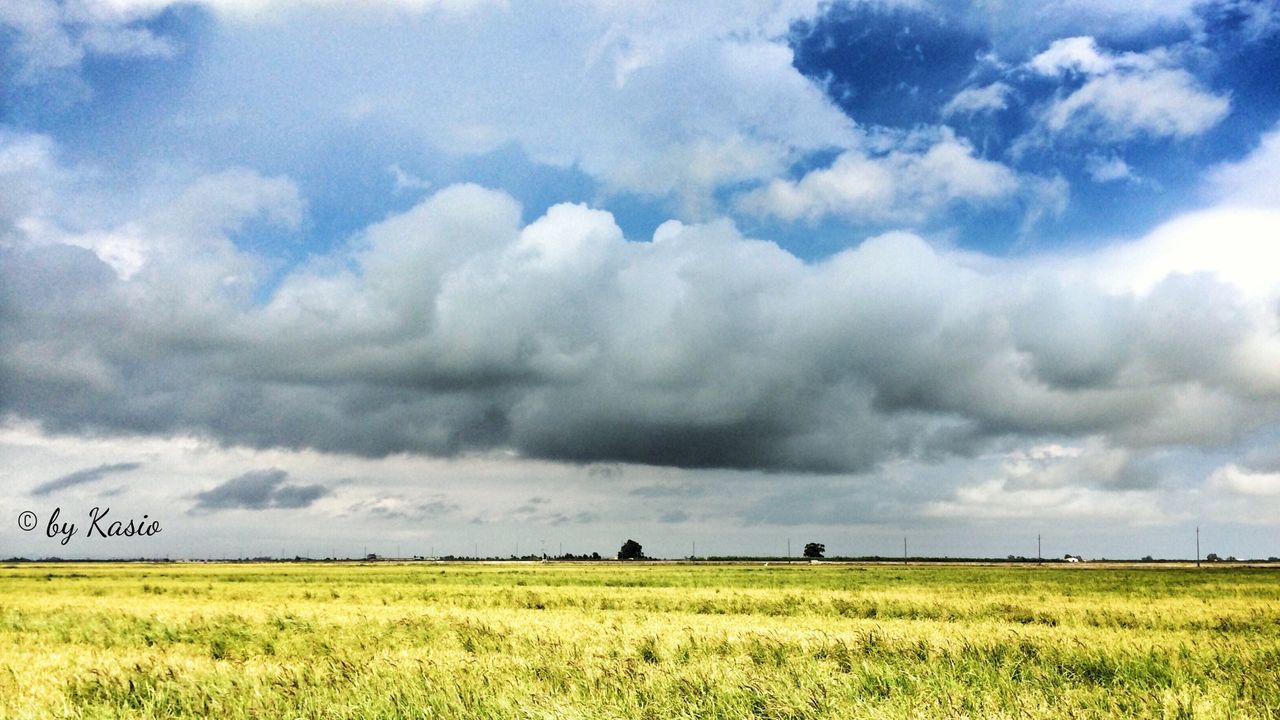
{"points": [[1235, 480], [399, 508], [269, 10], [987, 98], [674, 516], [901, 185], [455, 327], [1086, 480], [600, 89], [1125, 96], [257, 490], [1254, 180], [1076, 54], [1107, 169], [994, 500], [81, 477], [48, 36]]}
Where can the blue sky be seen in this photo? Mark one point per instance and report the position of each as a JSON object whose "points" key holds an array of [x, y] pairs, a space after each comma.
{"points": [[433, 268]]}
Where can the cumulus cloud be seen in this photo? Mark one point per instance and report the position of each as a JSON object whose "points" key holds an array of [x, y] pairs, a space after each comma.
{"points": [[1127, 95], [81, 477], [905, 184], [453, 328], [257, 490]]}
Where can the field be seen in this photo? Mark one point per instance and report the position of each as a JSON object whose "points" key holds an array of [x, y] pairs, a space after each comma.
{"points": [[636, 641]]}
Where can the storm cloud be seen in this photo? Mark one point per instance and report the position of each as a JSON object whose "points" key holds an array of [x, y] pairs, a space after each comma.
{"points": [[453, 327], [258, 490], [81, 477]]}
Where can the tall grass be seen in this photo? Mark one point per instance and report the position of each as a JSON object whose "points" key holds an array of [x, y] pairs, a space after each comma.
{"points": [[636, 641]]}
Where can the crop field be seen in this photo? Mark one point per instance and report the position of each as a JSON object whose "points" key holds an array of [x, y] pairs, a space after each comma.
{"points": [[613, 640]]}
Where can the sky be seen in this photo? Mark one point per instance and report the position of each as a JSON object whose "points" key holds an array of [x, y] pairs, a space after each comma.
{"points": [[457, 277]]}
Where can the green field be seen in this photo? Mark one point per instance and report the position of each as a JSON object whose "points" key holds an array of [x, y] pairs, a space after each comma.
{"points": [[636, 641]]}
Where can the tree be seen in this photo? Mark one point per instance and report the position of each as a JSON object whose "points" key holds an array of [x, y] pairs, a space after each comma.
{"points": [[814, 550], [631, 550]]}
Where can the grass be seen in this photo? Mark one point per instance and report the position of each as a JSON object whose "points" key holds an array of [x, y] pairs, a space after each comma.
{"points": [[636, 641]]}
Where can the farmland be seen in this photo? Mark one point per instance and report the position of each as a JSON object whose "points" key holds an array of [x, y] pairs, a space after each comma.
{"points": [[612, 640]]}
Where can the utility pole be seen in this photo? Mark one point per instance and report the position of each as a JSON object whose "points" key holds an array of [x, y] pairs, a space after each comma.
{"points": [[1197, 546], [1039, 557], [694, 554], [788, 548], [904, 549]]}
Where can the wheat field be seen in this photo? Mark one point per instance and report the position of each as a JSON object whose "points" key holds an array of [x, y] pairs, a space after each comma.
{"points": [[623, 640]]}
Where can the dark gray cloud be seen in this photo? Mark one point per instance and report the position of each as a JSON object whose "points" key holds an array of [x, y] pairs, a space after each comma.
{"points": [[674, 516], [81, 477], [257, 490]]}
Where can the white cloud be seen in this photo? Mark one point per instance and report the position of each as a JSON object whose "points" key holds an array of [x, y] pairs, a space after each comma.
{"points": [[1108, 168], [1234, 245], [1126, 96], [257, 10], [52, 36], [1254, 180], [903, 185], [647, 99], [1077, 54], [987, 98], [1161, 103], [30, 175], [1235, 480], [994, 500]]}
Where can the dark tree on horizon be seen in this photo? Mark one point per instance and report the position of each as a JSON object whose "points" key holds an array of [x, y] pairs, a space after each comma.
{"points": [[814, 550], [631, 550]]}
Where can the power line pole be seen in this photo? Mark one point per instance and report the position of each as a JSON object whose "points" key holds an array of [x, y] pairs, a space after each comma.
{"points": [[788, 548], [1197, 546], [1039, 556]]}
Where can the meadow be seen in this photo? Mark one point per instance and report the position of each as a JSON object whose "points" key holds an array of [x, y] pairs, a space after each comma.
{"points": [[615, 640]]}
